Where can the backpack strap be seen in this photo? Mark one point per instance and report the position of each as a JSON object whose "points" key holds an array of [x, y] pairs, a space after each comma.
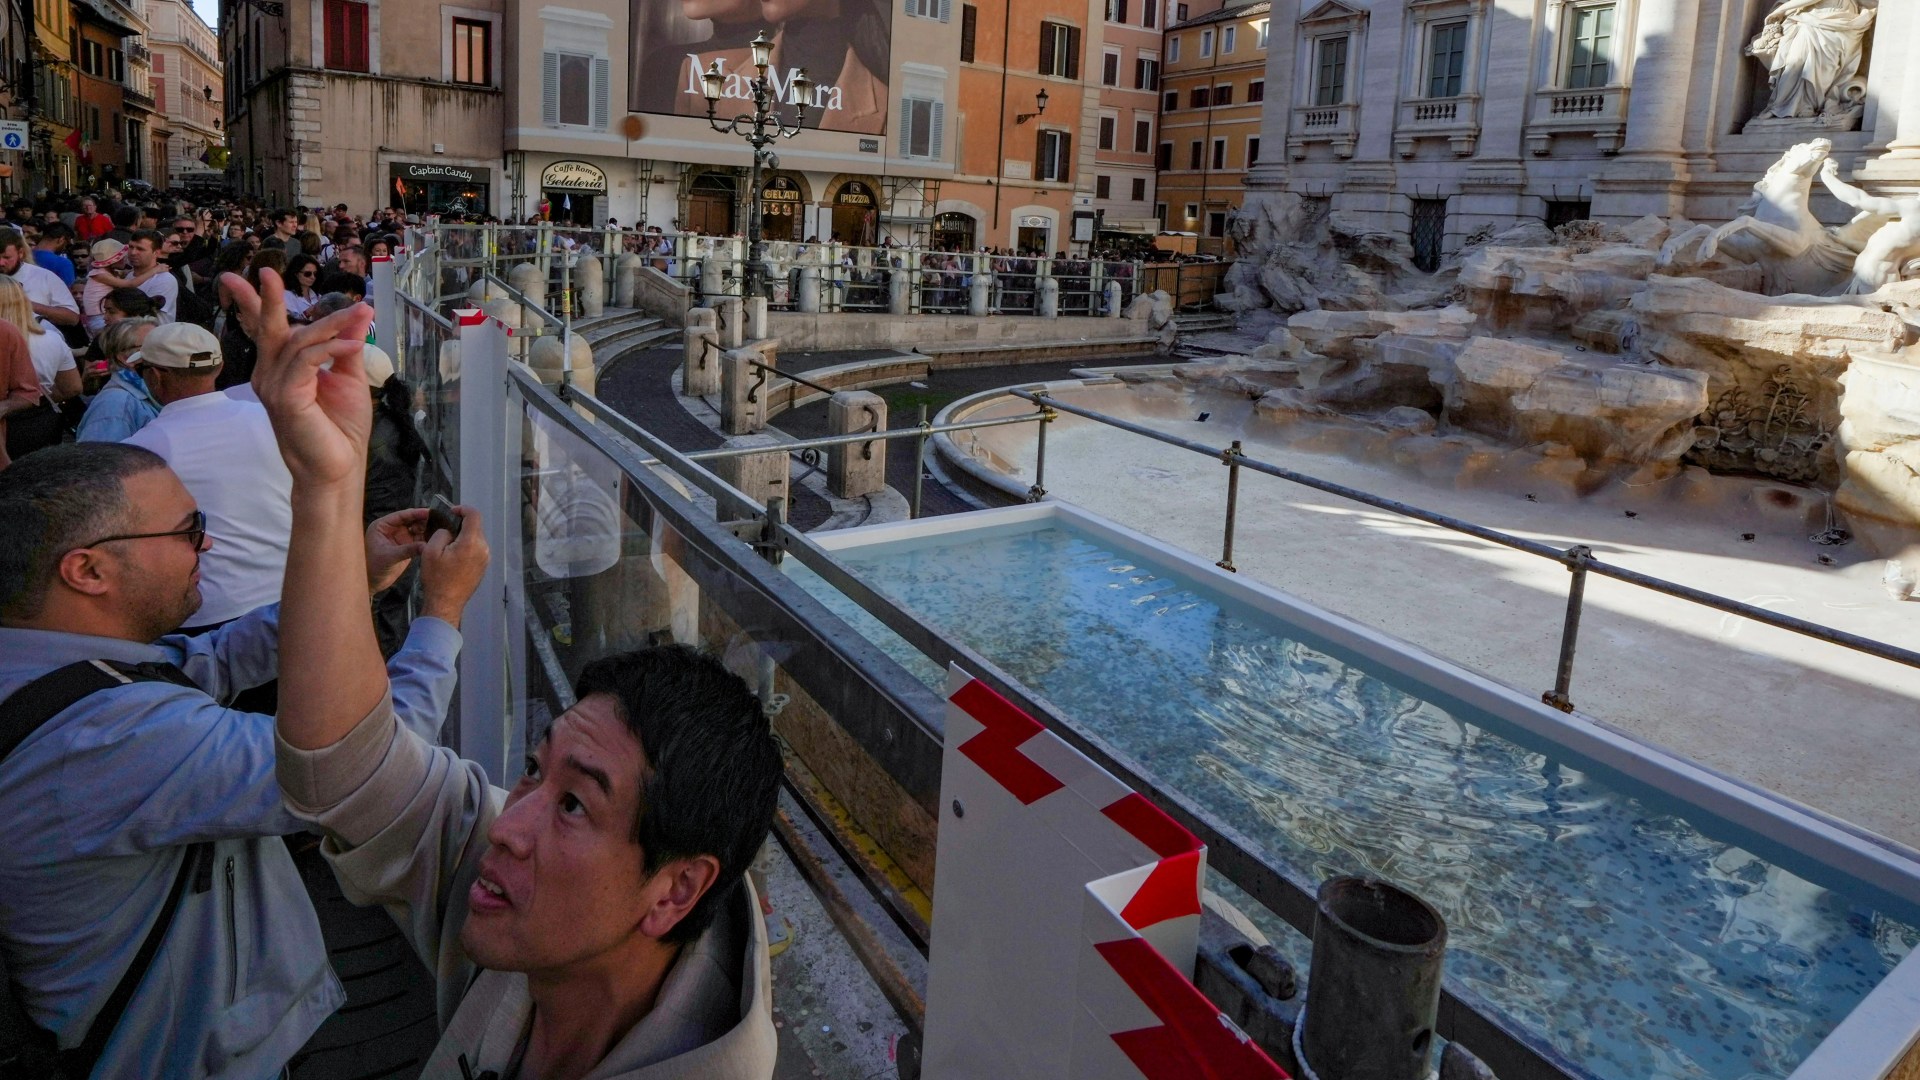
{"points": [[27, 1049]]}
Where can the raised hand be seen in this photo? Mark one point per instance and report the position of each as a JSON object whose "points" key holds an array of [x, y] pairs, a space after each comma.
{"points": [[392, 542], [451, 569], [321, 417]]}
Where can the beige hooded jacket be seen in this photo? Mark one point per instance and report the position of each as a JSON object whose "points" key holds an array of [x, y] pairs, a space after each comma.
{"points": [[406, 825]]}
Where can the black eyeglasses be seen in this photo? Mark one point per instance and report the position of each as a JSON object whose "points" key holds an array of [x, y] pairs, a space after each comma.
{"points": [[196, 533]]}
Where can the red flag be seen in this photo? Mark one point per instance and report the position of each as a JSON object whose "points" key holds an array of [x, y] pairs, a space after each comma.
{"points": [[73, 141]]}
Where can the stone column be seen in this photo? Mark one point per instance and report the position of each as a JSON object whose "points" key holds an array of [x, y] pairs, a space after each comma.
{"points": [[808, 299], [626, 275], [1049, 300], [899, 288], [1113, 299], [700, 368], [756, 317], [733, 320], [759, 476], [979, 294], [738, 376], [1651, 172], [711, 283], [590, 285], [856, 469], [1894, 79]]}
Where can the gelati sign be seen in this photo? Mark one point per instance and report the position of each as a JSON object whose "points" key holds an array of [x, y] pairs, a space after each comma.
{"points": [[573, 176], [451, 174]]}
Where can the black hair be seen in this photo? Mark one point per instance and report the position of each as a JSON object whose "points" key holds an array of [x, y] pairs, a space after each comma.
{"points": [[126, 217], [297, 263], [712, 767], [55, 231], [232, 258], [56, 500], [340, 281], [131, 302], [149, 236]]}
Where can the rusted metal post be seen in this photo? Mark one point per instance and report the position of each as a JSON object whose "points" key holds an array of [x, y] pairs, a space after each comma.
{"points": [[1576, 560], [1230, 457], [919, 462], [1039, 489]]}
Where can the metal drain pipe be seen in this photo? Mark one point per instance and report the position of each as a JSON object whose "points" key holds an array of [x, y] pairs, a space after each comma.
{"points": [[1373, 991]]}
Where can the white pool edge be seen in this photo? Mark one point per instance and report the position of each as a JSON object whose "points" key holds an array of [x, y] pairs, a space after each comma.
{"points": [[1867, 1043]]}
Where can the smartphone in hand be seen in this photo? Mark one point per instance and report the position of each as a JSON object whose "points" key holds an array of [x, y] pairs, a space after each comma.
{"points": [[441, 515]]}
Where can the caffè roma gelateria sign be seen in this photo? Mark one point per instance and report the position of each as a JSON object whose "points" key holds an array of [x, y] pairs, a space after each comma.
{"points": [[573, 176]]}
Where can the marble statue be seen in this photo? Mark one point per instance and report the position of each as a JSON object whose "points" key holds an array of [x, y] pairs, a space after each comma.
{"points": [[1778, 232], [1812, 49], [1891, 246]]}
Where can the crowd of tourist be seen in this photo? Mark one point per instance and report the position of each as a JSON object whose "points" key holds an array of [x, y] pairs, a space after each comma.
{"points": [[210, 473], [90, 264]]}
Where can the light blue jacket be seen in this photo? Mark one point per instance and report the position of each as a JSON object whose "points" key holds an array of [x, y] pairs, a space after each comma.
{"points": [[123, 406], [96, 808]]}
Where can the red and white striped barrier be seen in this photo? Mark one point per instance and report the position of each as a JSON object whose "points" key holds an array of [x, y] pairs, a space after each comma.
{"points": [[1066, 917]]}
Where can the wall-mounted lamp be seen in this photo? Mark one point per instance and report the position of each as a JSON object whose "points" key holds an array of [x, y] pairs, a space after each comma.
{"points": [[1040, 106]]}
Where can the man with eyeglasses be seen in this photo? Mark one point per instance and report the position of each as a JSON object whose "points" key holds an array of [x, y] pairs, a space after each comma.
{"points": [[154, 923], [221, 447]]}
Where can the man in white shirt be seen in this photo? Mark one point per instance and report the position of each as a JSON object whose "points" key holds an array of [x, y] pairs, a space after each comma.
{"points": [[50, 297], [143, 258], [222, 448]]}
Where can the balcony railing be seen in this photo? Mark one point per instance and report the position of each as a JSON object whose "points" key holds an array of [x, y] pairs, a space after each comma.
{"points": [[1598, 111], [1338, 125], [1456, 119]]}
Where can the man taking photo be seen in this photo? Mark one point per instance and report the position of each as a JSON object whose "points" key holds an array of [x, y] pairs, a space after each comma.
{"points": [[153, 923], [597, 918]]}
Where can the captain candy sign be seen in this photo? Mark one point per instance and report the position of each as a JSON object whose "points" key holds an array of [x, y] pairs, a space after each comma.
{"points": [[843, 45]]}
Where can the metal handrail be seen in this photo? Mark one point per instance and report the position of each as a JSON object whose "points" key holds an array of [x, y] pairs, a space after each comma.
{"points": [[910, 754], [1578, 559]]}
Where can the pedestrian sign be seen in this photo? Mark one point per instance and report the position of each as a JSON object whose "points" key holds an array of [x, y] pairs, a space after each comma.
{"points": [[13, 134]]}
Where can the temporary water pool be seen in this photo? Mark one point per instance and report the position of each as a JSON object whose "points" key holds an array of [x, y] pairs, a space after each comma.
{"points": [[1641, 915]]}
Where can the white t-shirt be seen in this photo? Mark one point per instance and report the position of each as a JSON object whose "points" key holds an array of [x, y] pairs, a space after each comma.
{"points": [[222, 449], [91, 294], [167, 287], [44, 287], [51, 355]]}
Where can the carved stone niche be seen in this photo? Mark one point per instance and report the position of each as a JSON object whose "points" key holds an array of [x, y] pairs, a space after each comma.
{"points": [[1811, 53]]}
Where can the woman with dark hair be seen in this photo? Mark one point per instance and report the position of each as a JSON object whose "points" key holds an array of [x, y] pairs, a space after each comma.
{"points": [[301, 274], [237, 350]]}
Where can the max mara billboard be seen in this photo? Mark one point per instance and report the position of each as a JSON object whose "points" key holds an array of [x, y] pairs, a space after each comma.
{"points": [[842, 44]]}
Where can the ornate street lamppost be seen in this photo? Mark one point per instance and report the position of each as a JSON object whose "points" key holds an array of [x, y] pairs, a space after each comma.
{"points": [[762, 128]]}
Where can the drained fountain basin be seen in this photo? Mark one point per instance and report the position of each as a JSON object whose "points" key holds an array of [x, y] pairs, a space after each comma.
{"points": [[1639, 914]]}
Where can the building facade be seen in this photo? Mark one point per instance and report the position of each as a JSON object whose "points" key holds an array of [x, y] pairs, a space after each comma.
{"points": [[609, 118], [1436, 119], [102, 30], [188, 92], [1210, 117], [343, 101], [16, 92], [56, 99], [1126, 127]]}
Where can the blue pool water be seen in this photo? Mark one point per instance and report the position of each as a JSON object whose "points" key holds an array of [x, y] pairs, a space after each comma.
{"points": [[1587, 910]]}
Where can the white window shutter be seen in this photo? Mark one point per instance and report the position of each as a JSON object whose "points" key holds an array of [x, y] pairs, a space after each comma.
{"points": [[906, 127], [938, 123], [946, 10], [550, 89], [600, 70]]}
